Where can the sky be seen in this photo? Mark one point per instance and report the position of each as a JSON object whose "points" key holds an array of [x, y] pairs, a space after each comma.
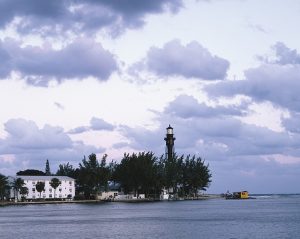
{"points": [[108, 77]]}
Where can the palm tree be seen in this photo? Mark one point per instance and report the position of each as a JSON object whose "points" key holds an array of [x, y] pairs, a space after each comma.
{"points": [[23, 192], [40, 187], [54, 183], [17, 185], [4, 186]]}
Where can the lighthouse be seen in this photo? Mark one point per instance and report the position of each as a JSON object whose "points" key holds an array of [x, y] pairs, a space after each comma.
{"points": [[169, 143]]}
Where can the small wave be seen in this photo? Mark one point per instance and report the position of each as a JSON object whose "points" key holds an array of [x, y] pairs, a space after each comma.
{"points": [[269, 196]]}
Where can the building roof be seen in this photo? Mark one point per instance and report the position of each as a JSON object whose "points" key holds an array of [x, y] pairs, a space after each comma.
{"points": [[45, 178]]}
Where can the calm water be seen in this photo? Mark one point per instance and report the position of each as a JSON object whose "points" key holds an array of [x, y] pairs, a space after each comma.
{"points": [[266, 217]]}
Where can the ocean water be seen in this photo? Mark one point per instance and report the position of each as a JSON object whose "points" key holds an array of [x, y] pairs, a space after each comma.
{"points": [[268, 216]]}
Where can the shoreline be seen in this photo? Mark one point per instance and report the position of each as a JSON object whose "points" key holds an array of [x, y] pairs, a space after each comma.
{"points": [[204, 197]]}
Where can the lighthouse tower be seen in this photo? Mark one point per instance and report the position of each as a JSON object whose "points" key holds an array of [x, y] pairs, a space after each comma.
{"points": [[169, 143]]}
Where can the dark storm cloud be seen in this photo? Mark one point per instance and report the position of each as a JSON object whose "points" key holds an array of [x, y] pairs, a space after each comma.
{"points": [[81, 58], [186, 106], [33, 145], [190, 61], [62, 15]]}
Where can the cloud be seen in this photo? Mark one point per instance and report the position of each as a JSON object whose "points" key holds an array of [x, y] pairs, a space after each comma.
{"points": [[292, 124], [120, 145], [186, 106], [276, 81], [190, 61], [232, 148], [59, 106], [143, 139], [25, 135], [31, 145], [100, 124], [82, 58], [257, 27], [285, 55], [96, 124], [211, 131], [5, 62], [277, 84], [79, 15], [79, 130]]}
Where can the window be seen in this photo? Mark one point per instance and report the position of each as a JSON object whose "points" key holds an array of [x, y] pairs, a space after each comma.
{"points": [[70, 190], [33, 182], [33, 190], [33, 197], [50, 195], [59, 189], [60, 196], [44, 195], [50, 190], [70, 183]]}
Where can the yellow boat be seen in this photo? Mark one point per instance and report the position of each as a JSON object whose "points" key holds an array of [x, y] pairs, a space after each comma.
{"points": [[238, 195]]}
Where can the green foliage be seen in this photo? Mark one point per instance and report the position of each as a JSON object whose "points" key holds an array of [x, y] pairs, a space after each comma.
{"points": [[23, 192], [54, 183], [18, 183], [31, 172], [144, 173], [173, 172], [196, 175], [139, 173], [66, 170], [40, 187], [4, 186], [93, 176]]}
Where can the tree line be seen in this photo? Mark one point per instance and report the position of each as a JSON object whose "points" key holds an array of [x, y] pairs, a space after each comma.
{"points": [[138, 173]]}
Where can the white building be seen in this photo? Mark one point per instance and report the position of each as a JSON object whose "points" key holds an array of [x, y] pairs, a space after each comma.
{"points": [[66, 190]]}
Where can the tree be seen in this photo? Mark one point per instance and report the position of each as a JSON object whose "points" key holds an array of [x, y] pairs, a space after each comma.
{"points": [[173, 173], [194, 176], [54, 183], [139, 173], [47, 168], [66, 170], [92, 177], [18, 183], [23, 192], [40, 187], [4, 186], [30, 172], [104, 172], [89, 177]]}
